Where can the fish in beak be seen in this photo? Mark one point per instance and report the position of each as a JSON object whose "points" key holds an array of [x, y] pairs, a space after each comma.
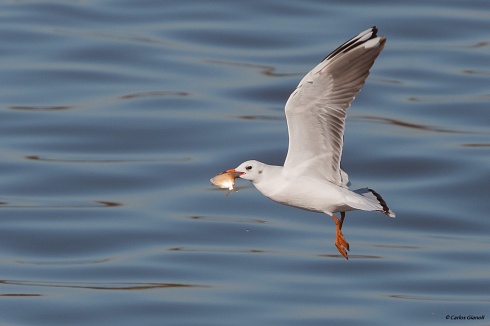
{"points": [[226, 179]]}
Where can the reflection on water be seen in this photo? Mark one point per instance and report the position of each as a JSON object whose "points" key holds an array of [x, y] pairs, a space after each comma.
{"points": [[64, 262], [115, 286], [261, 117], [20, 295], [99, 161], [451, 99], [438, 298], [43, 203], [153, 94], [228, 219], [476, 145], [113, 119], [404, 124], [41, 108], [265, 70], [477, 72], [481, 44]]}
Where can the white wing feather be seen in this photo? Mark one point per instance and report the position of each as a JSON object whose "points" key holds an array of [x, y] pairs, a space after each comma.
{"points": [[316, 110]]}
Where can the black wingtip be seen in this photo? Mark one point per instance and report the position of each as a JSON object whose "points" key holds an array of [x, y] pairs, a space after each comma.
{"points": [[386, 209], [352, 43]]}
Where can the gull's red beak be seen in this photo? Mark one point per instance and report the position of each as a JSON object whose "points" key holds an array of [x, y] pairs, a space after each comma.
{"points": [[235, 172]]}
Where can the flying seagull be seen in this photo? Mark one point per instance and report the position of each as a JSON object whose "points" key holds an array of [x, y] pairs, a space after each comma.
{"points": [[311, 177]]}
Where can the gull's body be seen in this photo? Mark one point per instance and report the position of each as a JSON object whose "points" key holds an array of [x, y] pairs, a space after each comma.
{"points": [[311, 177]]}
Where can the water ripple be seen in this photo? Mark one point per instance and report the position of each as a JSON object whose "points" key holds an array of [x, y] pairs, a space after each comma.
{"points": [[114, 117], [110, 286]]}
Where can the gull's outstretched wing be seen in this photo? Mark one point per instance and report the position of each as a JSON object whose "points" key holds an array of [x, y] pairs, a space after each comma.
{"points": [[316, 110]]}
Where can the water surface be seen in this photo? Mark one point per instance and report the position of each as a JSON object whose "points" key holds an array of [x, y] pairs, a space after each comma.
{"points": [[115, 114]]}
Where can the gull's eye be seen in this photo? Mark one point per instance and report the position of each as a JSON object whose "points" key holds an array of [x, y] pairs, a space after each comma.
{"points": [[248, 167]]}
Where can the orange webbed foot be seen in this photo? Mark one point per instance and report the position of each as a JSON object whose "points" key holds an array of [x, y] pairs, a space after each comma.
{"points": [[340, 242]]}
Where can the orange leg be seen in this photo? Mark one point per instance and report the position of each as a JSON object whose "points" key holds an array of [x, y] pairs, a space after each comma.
{"points": [[340, 242]]}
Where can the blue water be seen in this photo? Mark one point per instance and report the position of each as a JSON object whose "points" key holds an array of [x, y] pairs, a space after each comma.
{"points": [[115, 114]]}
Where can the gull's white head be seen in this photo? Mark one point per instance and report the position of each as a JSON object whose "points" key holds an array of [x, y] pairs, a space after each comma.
{"points": [[250, 170]]}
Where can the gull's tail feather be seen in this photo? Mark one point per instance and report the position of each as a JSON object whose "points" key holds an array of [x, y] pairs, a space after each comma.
{"points": [[374, 196]]}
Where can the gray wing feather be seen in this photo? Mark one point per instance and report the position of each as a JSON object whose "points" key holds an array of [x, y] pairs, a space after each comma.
{"points": [[316, 110]]}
